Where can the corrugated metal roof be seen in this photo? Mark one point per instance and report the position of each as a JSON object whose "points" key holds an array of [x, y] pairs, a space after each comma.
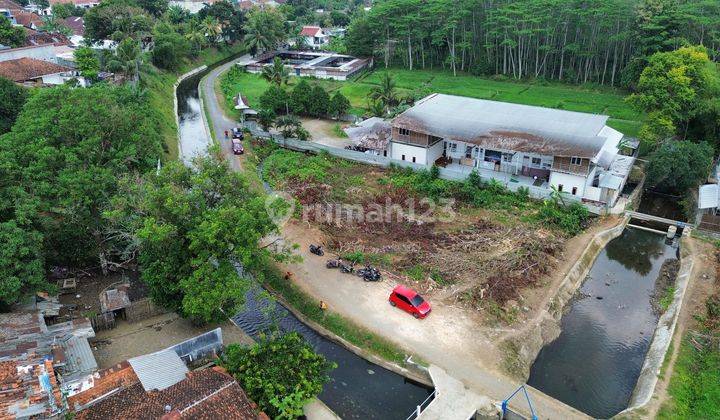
{"points": [[79, 359], [159, 370], [708, 196], [610, 181], [508, 126]]}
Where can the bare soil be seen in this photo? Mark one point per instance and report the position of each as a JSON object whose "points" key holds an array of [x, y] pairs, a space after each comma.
{"points": [[321, 131], [153, 334]]}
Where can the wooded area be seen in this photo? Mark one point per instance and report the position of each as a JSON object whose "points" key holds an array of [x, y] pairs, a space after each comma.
{"points": [[577, 41]]}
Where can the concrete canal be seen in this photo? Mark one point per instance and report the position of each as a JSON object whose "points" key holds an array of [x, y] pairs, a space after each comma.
{"points": [[607, 327]]}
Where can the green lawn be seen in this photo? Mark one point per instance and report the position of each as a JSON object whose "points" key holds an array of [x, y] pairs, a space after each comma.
{"points": [[572, 98]]}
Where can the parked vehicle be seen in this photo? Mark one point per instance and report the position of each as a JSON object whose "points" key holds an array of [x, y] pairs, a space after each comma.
{"points": [[347, 268], [333, 263], [237, 147], [369, 273], [409, 301], [237, 133], [317, 250]]}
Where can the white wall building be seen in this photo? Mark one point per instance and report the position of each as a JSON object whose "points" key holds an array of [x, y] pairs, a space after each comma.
{"points": [[576, 153], [315, 37]]}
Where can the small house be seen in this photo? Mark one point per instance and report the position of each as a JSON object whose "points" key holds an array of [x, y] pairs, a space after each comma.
{"points": [[314, 37]]}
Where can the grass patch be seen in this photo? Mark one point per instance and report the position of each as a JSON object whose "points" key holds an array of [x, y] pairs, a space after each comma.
{"points": [[587, 98], [371, 258], [694, 387], [339, 325], [338, 131], [667, 298]]}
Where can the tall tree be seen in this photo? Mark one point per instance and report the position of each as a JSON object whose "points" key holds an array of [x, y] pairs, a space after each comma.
{"points": [[276, 73], [14, 97], [265, 30], [192, 227]]}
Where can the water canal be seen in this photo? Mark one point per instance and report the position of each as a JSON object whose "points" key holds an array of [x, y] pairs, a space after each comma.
{"points": [[607, 328]]}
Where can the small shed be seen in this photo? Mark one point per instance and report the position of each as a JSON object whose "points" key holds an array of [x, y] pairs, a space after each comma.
{"points": [[372, 134], [115, 299], [242, 104]]}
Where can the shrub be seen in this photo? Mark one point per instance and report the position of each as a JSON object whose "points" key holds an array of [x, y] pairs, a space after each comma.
{"points": [[570, 219], [275, 99]]}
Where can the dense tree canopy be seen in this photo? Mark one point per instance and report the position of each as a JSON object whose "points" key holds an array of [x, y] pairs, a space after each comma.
{"points": [[678, 166], [11, 36], [62, 161], [265, 30], [190, 228], [571, 40], [280, 374], [14, 97], [117, 20]]}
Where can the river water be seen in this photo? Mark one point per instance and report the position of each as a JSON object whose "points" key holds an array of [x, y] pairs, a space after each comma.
{"points": [[357, 389], [595, 362]]}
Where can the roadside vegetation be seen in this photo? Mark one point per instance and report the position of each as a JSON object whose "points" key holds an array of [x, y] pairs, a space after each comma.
{"points": [[694, 387], [490, 244]]}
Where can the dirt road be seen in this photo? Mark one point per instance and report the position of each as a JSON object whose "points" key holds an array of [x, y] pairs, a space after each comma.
{"points": [[449, 337]]}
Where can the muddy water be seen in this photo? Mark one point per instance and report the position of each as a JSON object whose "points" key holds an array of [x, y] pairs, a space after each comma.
{"points": [[194, 140], [595, 362], [357, 389]]}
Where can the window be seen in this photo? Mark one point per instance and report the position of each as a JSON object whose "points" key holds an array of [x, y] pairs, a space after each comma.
{"points": [[560, 187], [468, 152], [575, 161], [402, 298], [417, 300], [453, 147], [413, 159], [385, 153], [536, 161], [404, 131], [434, 139], [403, 157], [574, 191]]}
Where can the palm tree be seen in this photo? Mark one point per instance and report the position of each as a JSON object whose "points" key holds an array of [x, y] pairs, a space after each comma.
{"points": [[276, 73], [288, 125], [266, 118], [128, 54], [385, 92], [212, 29], [195, 35]]}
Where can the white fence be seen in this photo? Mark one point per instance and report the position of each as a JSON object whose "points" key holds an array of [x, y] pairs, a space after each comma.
{"points": [[445, 173]]}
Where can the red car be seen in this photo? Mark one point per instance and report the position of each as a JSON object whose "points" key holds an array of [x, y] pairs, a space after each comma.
{"points": [[409, 301], [237, 147]]}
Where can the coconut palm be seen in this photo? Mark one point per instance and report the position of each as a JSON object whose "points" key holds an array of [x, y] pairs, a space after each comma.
{"points": [[195, 35], [266, 118], [276, 73], [212, 29], [288, 125], [264, 30], [128, 55], [385, 92]]}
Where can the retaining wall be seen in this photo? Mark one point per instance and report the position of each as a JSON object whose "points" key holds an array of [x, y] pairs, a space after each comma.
{"points": [[191, 73]]}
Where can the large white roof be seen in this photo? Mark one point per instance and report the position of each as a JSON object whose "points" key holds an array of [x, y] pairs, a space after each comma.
{"points": [[708, 196], [510, 126]]}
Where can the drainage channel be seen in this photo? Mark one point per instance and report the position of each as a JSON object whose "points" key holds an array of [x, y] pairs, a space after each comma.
{"points": [[607, 328]]}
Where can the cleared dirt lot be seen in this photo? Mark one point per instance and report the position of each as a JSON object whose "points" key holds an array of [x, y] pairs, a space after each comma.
{"points": [[323, 132], [153, 334]]}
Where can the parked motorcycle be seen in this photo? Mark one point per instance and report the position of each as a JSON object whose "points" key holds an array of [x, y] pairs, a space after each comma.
{"points": [[369, 273], [333, 263], [317, 250], [347, 268]]}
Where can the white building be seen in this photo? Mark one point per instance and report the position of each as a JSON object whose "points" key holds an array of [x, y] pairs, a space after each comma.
{"points": [[574, 152], [314, 37]]}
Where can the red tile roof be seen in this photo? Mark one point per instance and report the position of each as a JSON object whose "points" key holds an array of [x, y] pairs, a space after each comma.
{"points": [[204, 394], [75, 2], [76, 24], [10, 5], [105, 381], [310, 30], [28, 19], [36, 38], [25, 68]]}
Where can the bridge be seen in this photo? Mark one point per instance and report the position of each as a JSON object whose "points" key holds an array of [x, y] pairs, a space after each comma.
{"points": [[651, 218]]}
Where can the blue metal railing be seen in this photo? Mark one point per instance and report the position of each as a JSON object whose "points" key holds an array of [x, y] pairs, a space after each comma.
{"points": [[527, 396]]}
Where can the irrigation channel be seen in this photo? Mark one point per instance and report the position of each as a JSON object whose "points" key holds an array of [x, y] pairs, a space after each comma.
{"points": [[358, 389], [607, 327]]}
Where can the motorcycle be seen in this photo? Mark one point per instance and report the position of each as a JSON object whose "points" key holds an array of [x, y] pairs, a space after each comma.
{"points": [[347, 268], [317, 250], [333, 264], [369, 273]]}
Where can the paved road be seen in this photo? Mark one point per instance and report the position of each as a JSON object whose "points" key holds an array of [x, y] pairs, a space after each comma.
{"points": [[444, 339], [219, 122]]}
